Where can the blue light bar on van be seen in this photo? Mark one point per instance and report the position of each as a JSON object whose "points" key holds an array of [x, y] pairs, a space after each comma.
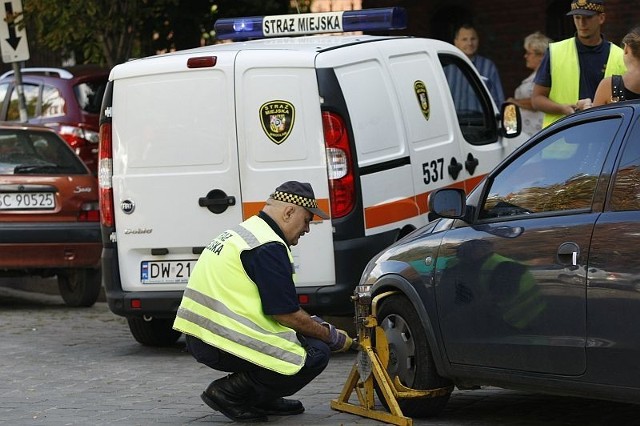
{"points": [[381, 19]]}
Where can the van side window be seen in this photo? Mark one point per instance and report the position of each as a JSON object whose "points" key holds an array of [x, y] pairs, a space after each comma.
{"points": [[626, 189], [31, 99], [473, 106], [557, 174]]}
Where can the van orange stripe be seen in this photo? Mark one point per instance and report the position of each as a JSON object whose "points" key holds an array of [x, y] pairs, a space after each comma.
{"points": [[252, 208], [406, 208], [473, 182], [382, 214]]}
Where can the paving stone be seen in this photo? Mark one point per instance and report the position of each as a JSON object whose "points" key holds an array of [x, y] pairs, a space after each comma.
{"points": [[64, 366]]}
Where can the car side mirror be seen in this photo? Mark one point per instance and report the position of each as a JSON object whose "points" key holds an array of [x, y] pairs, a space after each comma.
{"points": [[448, 202], [511, 120]]}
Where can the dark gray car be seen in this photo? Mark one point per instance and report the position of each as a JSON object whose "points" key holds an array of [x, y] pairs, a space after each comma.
{"points": [[533, 281]]}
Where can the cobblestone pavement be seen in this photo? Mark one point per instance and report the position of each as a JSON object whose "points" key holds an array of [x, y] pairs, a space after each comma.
{"points": [[63, 366]]}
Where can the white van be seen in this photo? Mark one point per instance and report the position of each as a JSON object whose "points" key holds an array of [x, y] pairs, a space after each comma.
{"points": [[193, 142]]}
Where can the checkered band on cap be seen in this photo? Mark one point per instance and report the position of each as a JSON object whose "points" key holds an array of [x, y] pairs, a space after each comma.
{"points": [[308, 203], [587, 5]]}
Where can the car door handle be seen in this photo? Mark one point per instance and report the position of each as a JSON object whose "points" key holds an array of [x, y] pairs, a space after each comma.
{"points": [[568, 254]]}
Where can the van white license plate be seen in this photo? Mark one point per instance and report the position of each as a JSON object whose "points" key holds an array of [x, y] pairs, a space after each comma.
{"points": [[168, 271], [27, 201]]}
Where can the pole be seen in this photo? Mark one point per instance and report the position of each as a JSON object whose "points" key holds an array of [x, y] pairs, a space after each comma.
{"points": [[21, 101]]}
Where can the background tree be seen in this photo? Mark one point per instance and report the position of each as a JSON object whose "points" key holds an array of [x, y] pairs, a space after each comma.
{"points": [[96, 31], [110, 32]]}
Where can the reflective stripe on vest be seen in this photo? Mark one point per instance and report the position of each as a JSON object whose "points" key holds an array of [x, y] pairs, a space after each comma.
{"points": [[565, 73], [228, 333], [221, 305]]}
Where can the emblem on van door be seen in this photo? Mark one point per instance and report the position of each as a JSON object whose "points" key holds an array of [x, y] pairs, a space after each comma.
{"points": [[277, 118], [127, 206], [423, 97]]}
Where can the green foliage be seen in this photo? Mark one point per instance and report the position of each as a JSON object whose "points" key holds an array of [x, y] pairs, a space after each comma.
{"points": [[108, 32], [94, 31]]}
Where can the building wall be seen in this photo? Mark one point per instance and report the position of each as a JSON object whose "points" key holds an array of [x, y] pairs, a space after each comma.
{"points": [[503, 25], [335, 5]]}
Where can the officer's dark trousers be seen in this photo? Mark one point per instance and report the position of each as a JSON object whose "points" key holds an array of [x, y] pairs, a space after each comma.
{"points": [[268, 384]]}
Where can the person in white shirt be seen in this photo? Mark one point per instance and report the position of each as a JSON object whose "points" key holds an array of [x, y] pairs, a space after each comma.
{"points": [[535, 45]]}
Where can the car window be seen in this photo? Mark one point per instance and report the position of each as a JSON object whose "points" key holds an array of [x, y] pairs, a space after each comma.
{"points": [[626, 188], [31, 101], [559, 173], [36, 152], [89, 95], [473, 107], [53, 104]]}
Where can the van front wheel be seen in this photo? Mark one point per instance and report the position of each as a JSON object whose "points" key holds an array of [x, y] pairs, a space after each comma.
{"points": [[153, 332]]}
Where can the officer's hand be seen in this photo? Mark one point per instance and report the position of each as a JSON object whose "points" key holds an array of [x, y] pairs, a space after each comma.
{"points": [[317, 319], [339, 340], [583, 104]]}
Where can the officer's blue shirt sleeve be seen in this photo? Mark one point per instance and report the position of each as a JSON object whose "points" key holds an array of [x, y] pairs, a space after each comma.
{"points": [[270, 268], [543, 75]]}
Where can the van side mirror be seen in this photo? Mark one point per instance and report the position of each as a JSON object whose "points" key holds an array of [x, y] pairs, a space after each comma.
{"points": [[510, 120], [447, 202]]}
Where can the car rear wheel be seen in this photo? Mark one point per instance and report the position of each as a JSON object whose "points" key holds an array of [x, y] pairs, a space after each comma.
{"points": [[153, 332], [410, 356], [80, 287]]}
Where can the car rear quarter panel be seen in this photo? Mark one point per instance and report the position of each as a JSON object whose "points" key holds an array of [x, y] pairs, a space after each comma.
{"points": [[51, 239]]}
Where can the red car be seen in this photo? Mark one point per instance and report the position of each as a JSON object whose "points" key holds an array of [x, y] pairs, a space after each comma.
{"points": [[65, 99], [49, 217]]}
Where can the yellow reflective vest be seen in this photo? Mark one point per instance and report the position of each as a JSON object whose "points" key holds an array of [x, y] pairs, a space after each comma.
{"points": [[221, 304], [565, 73]]}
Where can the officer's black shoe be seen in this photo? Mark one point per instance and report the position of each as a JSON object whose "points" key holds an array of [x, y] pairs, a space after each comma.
{"points": [[280, 407], [223, 395]]}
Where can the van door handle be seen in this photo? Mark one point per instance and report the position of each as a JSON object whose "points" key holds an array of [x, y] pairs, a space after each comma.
{"points": [[226, 201], [217, 201], [454, 168], [568, 254]]}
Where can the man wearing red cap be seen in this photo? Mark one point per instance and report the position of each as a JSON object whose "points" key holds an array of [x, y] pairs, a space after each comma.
{"points": [[572, 69], [240, 312]]}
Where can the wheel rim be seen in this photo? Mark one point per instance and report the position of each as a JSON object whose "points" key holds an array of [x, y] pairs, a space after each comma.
{"points": [[402, 350]]}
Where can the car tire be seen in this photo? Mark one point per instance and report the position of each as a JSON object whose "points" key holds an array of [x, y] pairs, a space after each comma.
{"points": [[410, 356], [80, 287], [156, 332]]}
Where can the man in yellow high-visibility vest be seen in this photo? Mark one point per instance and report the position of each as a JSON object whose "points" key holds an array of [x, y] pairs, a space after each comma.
{"points": [[571, 70], [240, 312]]}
